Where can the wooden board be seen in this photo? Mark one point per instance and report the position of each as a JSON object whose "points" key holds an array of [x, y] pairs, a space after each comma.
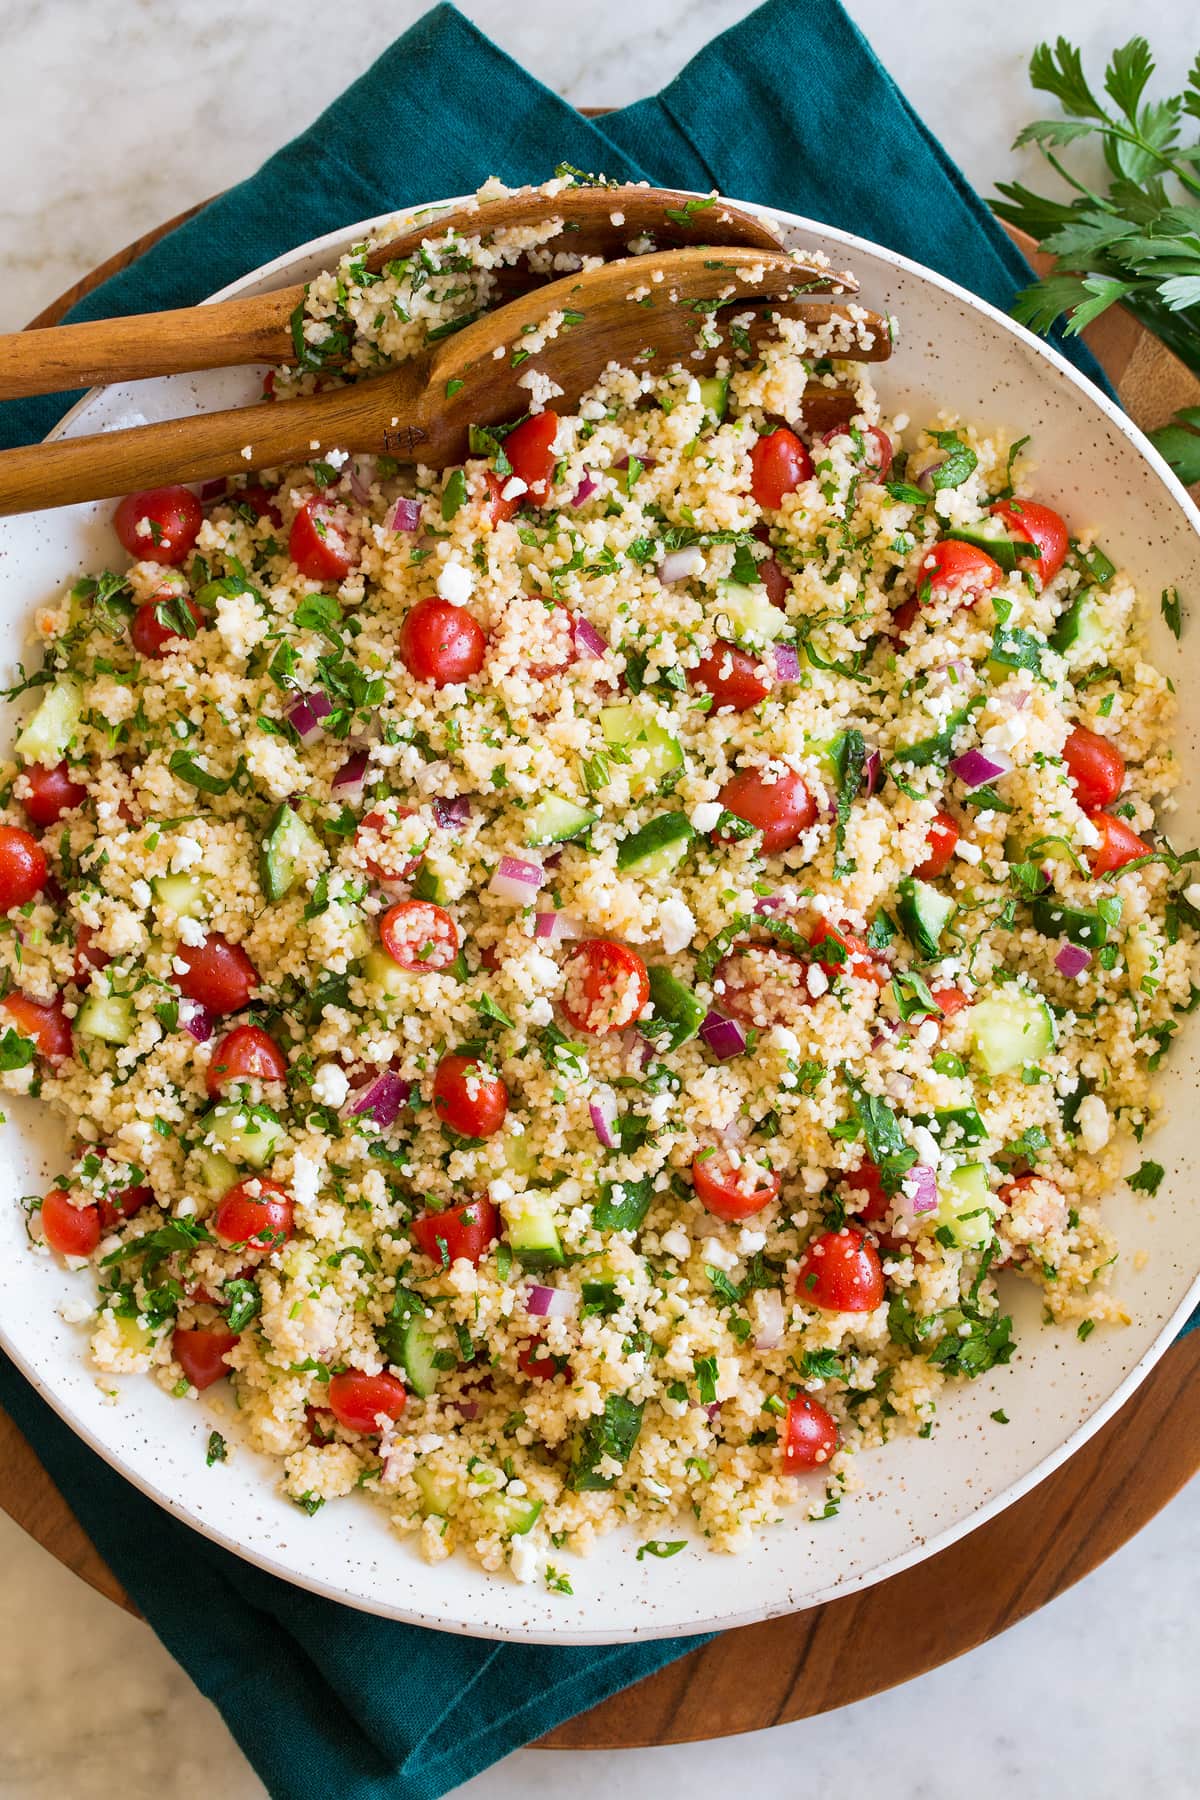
{"points": [[831, 1655]]}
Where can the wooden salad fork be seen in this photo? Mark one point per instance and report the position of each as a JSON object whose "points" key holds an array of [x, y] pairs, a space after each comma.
{"points": [[684, 307]]}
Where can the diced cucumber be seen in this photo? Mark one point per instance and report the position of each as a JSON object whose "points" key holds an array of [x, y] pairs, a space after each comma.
{"points": [[520, 1154], [289, 843], [532, 1232], [106, 1016], [659, 846], [48, 733], [216, 1171], [1080, 628], [991, 534], [1053, 919], [427, 884], [381, 971], [659, 755], [250, 1133], [923, 914], [939, 747], [1010, 1028], [714, 395], [965, 1206], [751, 617], [417, 1349], [181, 895], [954, 1126], [678, 1015], [555, 821], [512, 1514], [439, 1495], [134, 1336]]}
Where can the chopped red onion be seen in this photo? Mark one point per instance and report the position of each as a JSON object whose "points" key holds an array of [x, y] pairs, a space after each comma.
{"points": [[212, 491], [467, 1409], [452, 815], [1020, 700], [196, 1020], [305, 715], [769, 903], [724, 1037], [406, 515], [712, 1409], [772, 1320], [922, 468], [358, 486], [516, 880], [872, 774], [918, 1190], [554, 927], [603, 1110], [552, 861], [347, 784], [680, 565], [549, 1303], [584, 491], [787, 662], [1072, 960], [647, 462], [588, 641], [975, 768], [381, 1098]]}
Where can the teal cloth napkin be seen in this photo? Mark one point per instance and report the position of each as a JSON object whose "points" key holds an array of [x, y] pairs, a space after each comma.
{"points": [[789, 107]]}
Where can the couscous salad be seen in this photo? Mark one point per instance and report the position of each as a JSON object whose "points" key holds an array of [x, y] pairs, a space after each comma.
{"points": [[570, 977]]}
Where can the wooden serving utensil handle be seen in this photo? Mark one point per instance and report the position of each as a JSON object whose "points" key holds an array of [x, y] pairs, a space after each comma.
{"points": [[385, 413], [147, 344]]}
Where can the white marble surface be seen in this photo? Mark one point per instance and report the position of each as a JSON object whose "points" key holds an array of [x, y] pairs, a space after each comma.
{"points": [[116, 115]]}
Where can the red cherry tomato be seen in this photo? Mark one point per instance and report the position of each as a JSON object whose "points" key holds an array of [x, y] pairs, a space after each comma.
{"points": [[115, 1207], [762, 985], [466, 1230], [318, 543], [441, 643], [810, 1436], [732, 1191], [22, 867], [954, 571], [151, 637], [877, 450], [782, 808], [261, 1219], [867, 1180], [419, 936], [201, 1352], [949, 1000], [88, 954], [247, 1053], [940, 846], [605, 987], [218, 974], [530, 450], [775, 581], [1039, 525], [357, 1401], [160, 525], [841, 1272], [42, 1020], [468, 1097], [541, 1364], [904, 618], [1096, 769], [1118, 845], [856, 959], [779, 463], [377, 821], [733, 677], [260, 501], [51, 793], [71, 1230]]}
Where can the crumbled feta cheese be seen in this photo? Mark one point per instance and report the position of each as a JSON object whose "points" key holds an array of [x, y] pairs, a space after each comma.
{"points": [[1094, 1123], [677, 1243], [818, 981], [970, 853], [330, 1086], [306, 1179], [192, 932], [676, 924], [925, 1145], [139, 892], [713, 1251], [705, 815], [524, 1559], [513, 488], [185, 854], [455, 583]]}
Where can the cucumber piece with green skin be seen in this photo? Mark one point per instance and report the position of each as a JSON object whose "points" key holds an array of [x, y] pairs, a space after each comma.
{"points": [[991, 534], [1010, 1028], [678, 1015], [751, 617], [660, 846], [520, 1154], [1053, 919], [427, 884], [628, 728], [923, 914], [381, 971], [289, 842], [216, 1171], [439, 1495], [955, 1125], [181, 895], [417, 1350], [250, 1133], [939, 747], [512, 1514], [48, 733], [106, 1016], [532, 1231], [1080, 628], [556, 821], [714, 395], [965, 1206]]}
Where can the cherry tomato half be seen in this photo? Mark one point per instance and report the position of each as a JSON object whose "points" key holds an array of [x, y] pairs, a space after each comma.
{"points": [[867, 1180], [151, 632], [541, 1364], [810, 1435], [855, 959], [776, 802], [841, 1272], [733, 677], [160, 525], [530, 450], [88, 954], [954, 571], [441, 643], [261, 1219], [201, 1352], [1096, 769], [950, 1000], [605, 986], [464, 1230], [42, 1020], [318, 542], [877, 451], [22, 867], [469, 1098], [762, 985], [1118, 845], [357, 1401], [116, 1207], [940, 846], [51, 793], [247, 1053], [260, 500], [779, 463], [1039, 525], [419, 936], [732, 1191], [218, 975], [71, 1230], [375, 823]]}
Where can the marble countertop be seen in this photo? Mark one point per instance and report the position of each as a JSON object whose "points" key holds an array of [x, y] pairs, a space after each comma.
{"points": [[116, 116]]}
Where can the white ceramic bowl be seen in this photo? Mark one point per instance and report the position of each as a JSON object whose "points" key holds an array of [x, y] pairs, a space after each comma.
{"points": [[919, 1496]]}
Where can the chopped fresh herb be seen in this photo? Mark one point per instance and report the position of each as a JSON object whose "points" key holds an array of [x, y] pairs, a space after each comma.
{"points": [[217, 1451], [1147, 1179], [661, 1548]]}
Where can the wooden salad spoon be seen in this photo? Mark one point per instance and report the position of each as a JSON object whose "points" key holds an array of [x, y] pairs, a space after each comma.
{"points": [[591, 221], [680, 307]]}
